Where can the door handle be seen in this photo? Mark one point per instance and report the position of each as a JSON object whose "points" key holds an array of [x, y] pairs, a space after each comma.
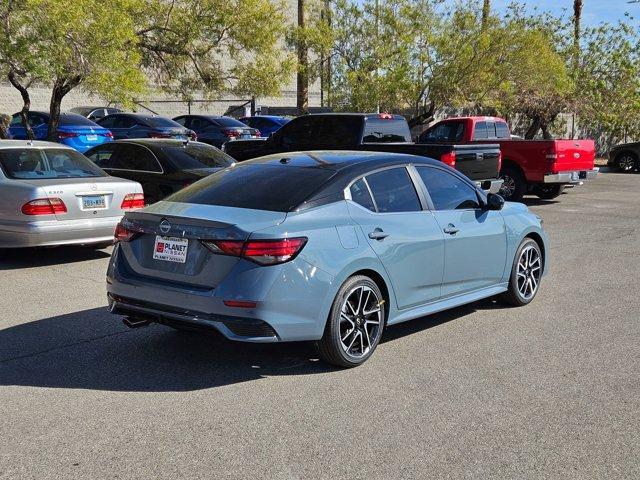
{"points": [[378, 234], [451, 229]]}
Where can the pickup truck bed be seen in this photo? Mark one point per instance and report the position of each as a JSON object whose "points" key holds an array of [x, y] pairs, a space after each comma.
{"points": [[370, 132]]}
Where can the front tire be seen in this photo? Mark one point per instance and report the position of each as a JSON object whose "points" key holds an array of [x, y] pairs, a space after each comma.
{"points": [[355, 324], [526, 273], [514, 184]]}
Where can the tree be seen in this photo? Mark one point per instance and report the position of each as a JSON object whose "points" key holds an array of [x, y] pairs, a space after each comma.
{"points": [[89, 44], [215, 47], [19, 63], [486, 11]]}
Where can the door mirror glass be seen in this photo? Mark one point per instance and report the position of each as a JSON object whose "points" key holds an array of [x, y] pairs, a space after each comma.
{"points": [[494, 202]]}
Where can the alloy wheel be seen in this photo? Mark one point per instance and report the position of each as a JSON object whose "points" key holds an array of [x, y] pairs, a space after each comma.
{"points": [[529, 272], [360, 321], [626, 163], [508, 187]]}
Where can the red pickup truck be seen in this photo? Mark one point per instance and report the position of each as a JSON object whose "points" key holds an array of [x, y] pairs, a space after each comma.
{"points": [[539, 167]]}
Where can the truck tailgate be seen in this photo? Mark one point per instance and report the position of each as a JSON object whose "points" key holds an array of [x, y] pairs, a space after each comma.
{"points": [[479, 161], [572, 155]]}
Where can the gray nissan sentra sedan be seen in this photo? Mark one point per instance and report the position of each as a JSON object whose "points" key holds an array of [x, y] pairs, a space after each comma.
{"points": [[52, 195], [322, 246]]}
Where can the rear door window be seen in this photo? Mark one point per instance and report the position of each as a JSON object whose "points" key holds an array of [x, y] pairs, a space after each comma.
{"points": [[137, 158], [385, 130], [393, 191], [445, 133], [447, 191], [259, 186], [481, 132], [300, 133]]}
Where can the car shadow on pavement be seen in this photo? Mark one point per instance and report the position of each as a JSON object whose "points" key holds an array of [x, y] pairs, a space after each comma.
{"points": [[18, 258], [92, 349]]}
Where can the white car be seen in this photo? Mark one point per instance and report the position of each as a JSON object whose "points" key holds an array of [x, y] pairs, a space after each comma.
{"points": [[52, 195]]}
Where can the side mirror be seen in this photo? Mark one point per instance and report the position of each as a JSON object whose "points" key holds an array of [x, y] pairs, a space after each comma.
{"points": [[494, 201]]}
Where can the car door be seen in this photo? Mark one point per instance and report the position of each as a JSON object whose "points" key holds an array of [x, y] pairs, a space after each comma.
{"points": [[403, 234], [475, 246]]}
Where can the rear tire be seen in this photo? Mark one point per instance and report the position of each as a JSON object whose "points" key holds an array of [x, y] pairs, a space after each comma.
{"points": [[526, 273], [626, 162], [355, 323], [549, 192], [514, 185]]}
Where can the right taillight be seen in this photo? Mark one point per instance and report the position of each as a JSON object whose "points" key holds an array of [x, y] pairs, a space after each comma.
{"points": [[263, 252], [44, 206], [449, 158], [132, 201], [123, 234]]}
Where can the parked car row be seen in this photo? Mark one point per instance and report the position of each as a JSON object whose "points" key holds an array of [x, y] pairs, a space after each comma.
{"points": [[85, 127]]}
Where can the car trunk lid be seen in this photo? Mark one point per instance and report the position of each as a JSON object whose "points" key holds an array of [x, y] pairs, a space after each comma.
{"points": [[95, 197], [182, 226]]}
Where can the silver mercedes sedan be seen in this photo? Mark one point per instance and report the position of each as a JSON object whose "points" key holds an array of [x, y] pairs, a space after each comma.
{"points": [[52, 195]]}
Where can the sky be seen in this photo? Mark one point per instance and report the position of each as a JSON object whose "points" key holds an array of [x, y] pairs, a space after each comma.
{"points": [[593, 11]]}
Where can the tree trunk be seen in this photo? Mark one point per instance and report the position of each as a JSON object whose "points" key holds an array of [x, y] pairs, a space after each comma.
{"points": [[486, 10], [26, 102], [577, 17], [61, 87], [533, 129], [303, 66]]}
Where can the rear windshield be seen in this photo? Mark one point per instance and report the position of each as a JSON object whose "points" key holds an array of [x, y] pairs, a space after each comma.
{"points": [[35, 164], [160, 122], [75, 119], [197, 156], [384, 130], [229, 122], [259, 186]]}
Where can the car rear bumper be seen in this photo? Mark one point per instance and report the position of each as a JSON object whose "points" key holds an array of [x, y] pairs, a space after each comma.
{"points": [[57, 232], [291, 300], [575, 176], [234, 328]]}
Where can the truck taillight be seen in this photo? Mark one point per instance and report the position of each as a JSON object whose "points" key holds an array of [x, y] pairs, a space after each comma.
{"points": [[263, 252], [449, 158], [44, 206], [500, 160], [132, 201], [550, 154]]}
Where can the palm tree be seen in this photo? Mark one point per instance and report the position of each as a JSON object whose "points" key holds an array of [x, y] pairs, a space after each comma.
{"points": [[486, 10], [302, 101]]}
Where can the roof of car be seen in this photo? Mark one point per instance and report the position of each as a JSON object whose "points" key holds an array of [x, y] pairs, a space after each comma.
{"points": [[269, 117], [31, 144], [159, 142]]}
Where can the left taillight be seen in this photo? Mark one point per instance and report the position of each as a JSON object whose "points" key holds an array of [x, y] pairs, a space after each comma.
{"points": [[132, 201], [263, 252], [44, 206], [123, 234], [449, 158]]}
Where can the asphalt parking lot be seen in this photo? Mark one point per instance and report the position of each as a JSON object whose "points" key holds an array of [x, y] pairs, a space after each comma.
{"points": [[551, 390]]}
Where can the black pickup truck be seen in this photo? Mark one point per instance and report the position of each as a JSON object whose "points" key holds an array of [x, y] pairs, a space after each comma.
{"points": [[379, 132]]}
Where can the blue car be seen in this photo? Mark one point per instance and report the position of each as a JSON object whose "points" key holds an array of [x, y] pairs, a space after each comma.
{"points": [[328, 247], [267, 124], [74, 130], [137, 125]]}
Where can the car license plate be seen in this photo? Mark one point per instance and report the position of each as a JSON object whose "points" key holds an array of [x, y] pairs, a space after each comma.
{"points": [[92, 138], [171, 249], [93, 202]]}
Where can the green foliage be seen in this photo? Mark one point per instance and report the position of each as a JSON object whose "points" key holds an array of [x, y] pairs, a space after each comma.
{"points": [[215, 47]]}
